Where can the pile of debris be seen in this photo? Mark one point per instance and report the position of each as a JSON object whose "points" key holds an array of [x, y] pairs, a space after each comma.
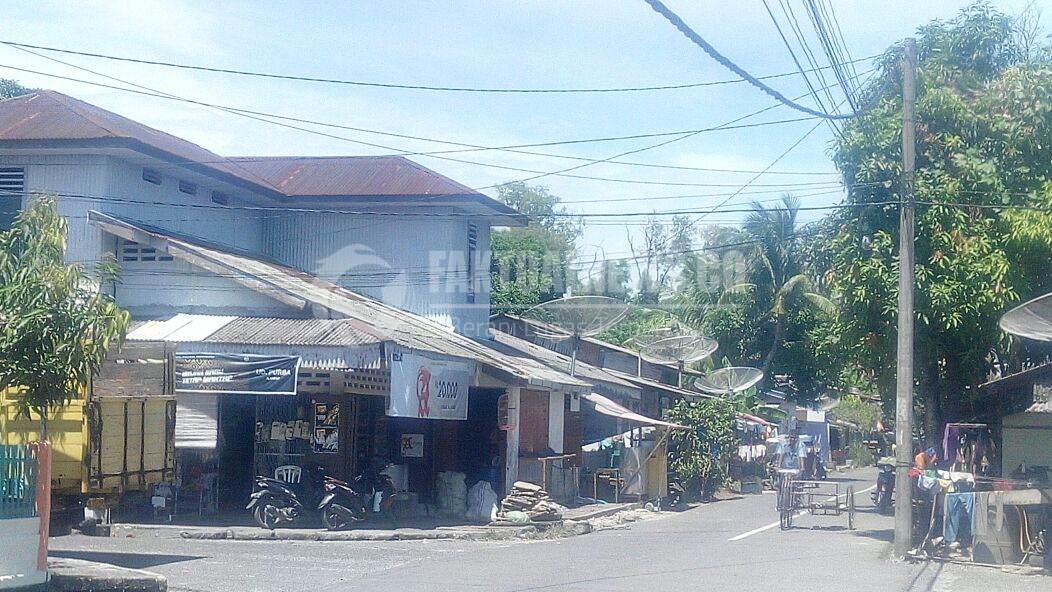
{"points": [[533, 501]]}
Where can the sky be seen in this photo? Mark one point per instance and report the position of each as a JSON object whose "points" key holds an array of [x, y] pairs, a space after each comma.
{"points": [[483, 43]]}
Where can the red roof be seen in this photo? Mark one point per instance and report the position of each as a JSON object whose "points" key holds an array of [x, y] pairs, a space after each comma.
{"points": [[46, 118], [350, 175]]}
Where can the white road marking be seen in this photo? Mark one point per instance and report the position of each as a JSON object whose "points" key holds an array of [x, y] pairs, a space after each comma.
{"points": [[774, 524]]}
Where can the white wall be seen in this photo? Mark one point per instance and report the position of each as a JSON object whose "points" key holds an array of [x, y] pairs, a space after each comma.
{"points": [[417, 264], [18, 553], [1027, 437]]}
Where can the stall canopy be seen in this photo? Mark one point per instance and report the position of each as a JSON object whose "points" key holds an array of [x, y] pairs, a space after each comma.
{"points": [[608, 407]]}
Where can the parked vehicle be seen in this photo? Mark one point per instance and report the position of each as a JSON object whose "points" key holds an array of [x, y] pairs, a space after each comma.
{"points": [[274, 502], [882, 495], [369, 494], [676, 499]]}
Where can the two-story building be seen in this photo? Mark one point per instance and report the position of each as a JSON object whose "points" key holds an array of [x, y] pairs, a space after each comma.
{"points": [[367, 275]]}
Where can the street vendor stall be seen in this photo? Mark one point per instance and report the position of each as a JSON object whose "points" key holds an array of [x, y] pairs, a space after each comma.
{"points": [[642, 466]]}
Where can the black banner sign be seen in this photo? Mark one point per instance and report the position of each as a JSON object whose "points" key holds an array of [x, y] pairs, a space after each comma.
{"points": [[246, 374]]}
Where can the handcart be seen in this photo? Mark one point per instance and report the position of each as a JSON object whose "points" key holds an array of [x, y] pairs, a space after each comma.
{"points": [[817, 498]]}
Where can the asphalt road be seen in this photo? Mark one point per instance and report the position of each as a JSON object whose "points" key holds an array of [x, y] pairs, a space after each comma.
{"points": [[731, 545]]}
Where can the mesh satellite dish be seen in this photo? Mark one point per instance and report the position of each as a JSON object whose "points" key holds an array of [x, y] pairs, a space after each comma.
{"points": [[680, 349], [729, 380], [1032, 320], [576, 317]]}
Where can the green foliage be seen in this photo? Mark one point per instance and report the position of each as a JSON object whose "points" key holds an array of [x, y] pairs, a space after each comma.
{"points": [[11, 88], [858, 411], [530, 265], [985, 137], [55, 324], [701, 454]]}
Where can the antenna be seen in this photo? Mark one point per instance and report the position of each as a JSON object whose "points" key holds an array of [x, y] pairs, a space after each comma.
{"points": [[1032, 320], [688, 346], [576, 317], [726, 381]]}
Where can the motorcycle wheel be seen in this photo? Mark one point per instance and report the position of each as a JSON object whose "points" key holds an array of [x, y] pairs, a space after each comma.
{"points": [[337, 517], [266, 516]]}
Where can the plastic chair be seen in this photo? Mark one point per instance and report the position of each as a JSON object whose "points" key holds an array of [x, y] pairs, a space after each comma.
{"points": [[288, 473]]}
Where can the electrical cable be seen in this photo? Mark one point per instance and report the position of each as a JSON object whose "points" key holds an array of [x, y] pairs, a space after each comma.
{"points": [[690, 34]]}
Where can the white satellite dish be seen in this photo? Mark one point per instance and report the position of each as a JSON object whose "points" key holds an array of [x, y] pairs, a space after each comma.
{"points": [[1032, 320], [729, 380], [576, 317], [681, 349]]}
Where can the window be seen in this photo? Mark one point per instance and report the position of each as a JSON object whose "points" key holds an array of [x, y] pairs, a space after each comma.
{"points": [[187, 187], [473, 245], [151, 176], [220, 198], [12, 186], [134, 252]]}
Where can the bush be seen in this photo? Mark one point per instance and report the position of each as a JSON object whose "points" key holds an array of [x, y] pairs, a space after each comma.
{"points": [[700, 455]]}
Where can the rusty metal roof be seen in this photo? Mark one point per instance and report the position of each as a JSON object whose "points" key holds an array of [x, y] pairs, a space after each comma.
{"points": [[334, 176], [47, 119], [373, 319], [251, 330]]}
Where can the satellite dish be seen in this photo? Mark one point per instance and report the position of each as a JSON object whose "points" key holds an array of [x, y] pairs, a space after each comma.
{"points": [[576, 317], [1032, 320], [729, 380], [679, 350]]}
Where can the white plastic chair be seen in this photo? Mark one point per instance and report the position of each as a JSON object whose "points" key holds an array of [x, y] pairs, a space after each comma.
{"points": [[288, 473]]}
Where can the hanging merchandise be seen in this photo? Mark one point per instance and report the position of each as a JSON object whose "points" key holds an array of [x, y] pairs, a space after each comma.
{"points": [[326, 428]]}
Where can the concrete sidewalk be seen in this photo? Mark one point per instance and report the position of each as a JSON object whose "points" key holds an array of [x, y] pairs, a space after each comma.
{"points": [[575, 522], [75, 575]]}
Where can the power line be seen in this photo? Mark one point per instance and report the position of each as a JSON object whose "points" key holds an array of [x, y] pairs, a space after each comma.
{"points": [[689, 33], [263, 117], [393, 85]]}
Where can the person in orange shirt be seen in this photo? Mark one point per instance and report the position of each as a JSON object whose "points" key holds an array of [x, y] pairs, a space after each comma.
{"points": [[925, 459]]}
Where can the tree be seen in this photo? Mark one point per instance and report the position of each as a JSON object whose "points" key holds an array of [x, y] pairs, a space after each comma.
{"points": [[11, 88], [984, 137], [664, 250], [700, 455], [55, 324], [531, 265]]}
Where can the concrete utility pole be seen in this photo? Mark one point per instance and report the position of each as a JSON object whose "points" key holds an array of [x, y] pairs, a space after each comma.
{"points": [[904, 373]]}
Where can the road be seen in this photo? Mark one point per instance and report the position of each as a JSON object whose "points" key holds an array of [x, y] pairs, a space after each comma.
{"points": [[732, 545]]}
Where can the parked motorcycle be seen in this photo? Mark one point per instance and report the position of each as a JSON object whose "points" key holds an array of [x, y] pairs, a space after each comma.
{"points": [[882, 495], [274, 502], [677, 494], [369, 494]]}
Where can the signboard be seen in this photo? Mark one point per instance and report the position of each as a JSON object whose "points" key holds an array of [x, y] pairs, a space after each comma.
{"points": [[246, 374], [504, 420], [326, 438], [428, 389], [412, 446]]}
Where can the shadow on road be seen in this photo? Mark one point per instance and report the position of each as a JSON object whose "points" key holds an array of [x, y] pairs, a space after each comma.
{"points": [[128, 560]]}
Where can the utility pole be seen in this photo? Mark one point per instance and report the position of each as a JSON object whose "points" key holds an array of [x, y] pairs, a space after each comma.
{"points": [[904, 369]]}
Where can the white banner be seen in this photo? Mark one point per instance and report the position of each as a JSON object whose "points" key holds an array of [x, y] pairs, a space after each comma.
{"points": [[429, 389]]}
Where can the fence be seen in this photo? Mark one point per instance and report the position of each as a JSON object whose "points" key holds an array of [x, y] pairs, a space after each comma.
{"points": [[18, 481]]}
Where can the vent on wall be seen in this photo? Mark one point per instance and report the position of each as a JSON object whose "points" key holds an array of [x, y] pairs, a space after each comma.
{"points": [[134, 252], [187, 188], [151, 176], [473, 245], [12, 186], [220, 198]]}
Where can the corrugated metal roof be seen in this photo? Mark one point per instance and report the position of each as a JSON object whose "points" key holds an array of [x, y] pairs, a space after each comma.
{"points": [[360, 313], [511, 344], [646, 382], [251, 330], [351, 175], [47, 117]]}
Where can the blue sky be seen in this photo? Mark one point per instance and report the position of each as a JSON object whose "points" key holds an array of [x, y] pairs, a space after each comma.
{"points": [[491, 43]]}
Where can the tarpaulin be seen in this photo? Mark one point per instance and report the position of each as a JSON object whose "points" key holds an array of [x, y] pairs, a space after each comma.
{"points": [[608, 407]]}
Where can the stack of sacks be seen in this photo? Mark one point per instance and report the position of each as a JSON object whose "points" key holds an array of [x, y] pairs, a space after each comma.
{"points": [[452, 494], [534, 501]]}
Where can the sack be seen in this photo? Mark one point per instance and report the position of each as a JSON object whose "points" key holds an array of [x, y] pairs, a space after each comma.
{"points": [[482, 503]]}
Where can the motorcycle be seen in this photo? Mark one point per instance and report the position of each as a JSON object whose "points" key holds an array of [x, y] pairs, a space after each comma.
{"points": [[344, 504], [882, 495], [676, 499], [274, 502]]}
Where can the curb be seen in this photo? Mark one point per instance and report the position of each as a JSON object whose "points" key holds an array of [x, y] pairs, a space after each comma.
{"points": [[75, 575]]}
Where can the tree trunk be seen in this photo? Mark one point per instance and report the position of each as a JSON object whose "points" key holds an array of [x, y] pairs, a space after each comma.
{"points": [[779, 336]]}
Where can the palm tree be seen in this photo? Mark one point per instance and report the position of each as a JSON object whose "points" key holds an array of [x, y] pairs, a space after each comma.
{"points": [[777, 270]]}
